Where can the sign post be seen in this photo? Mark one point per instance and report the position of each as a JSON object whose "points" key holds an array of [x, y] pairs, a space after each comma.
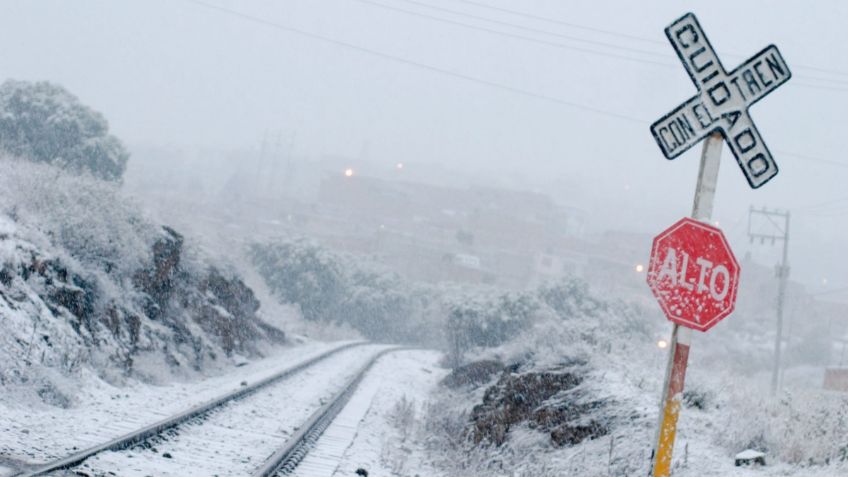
{"points": [[694, 290], [681, 337]]}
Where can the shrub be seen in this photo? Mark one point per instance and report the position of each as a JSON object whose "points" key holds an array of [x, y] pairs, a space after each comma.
{"points": [[43, 122]]}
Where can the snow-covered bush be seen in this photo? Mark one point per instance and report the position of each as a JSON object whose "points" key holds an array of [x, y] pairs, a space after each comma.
{"points": [[490, 321], [87, 218], [43, 122], [482, 319], [337, 288], [805, 427], [379, 304], [305, 274], [343, 290]]}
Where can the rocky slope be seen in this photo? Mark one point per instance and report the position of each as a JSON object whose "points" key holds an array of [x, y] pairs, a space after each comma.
{"points": [[87, 281]]}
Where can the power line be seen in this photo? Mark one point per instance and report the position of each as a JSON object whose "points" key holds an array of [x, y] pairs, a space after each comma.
{"points": [[519, 37], [826, 203], [536, 30], [572, 38], [561, 22], [561, 45], [828, 214], [435, 69], [819, 87], [622, 35], [454, 74], [813, 158]]}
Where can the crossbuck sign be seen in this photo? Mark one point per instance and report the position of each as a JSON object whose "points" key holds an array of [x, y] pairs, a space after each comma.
{"points": [[722, 101]]}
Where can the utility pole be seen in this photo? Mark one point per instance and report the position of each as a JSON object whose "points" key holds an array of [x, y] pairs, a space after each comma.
{"points": [[779, 230]]}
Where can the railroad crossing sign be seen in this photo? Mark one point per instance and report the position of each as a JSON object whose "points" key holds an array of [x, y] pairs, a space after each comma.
{"points": [[693, 274], [722, 101]]}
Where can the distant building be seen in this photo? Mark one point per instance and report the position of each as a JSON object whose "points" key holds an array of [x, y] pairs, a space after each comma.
{"points": [[495, 233]]}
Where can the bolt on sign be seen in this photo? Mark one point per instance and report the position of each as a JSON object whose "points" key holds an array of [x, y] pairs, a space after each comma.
{"points": [[722, 101], [693, 274]]}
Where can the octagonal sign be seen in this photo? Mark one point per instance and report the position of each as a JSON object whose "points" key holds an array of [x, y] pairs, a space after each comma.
{"points": [[693, 274]]}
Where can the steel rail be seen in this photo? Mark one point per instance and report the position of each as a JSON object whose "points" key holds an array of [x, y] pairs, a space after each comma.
{"points": [[136, 437], [285, 460]]}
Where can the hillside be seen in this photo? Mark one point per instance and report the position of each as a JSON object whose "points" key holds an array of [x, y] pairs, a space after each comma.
{"points": [[89, 281]]}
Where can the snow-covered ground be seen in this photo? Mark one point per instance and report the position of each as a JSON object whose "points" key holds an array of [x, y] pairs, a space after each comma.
{"points": [[33, 432], [236, 439], [375, 430]]}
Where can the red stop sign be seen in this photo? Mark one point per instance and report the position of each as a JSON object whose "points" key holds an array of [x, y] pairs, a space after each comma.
{"points": [[693, 274]]}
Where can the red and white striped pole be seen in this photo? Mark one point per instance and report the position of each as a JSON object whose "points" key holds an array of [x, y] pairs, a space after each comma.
{"points": [[681, 337]]}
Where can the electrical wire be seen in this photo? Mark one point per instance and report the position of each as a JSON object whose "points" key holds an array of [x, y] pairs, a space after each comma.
{"points": [[516, 36], [843, 82], [458, 75], [827, 203], [622, 35], [416, 64], [569, 47], [536, 30], [561, 22], [813, 158]]}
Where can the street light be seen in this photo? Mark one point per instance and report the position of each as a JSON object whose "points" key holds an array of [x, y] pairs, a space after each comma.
{"points": [[348, 172], [640, 268], [399, 166], [662, 344]]}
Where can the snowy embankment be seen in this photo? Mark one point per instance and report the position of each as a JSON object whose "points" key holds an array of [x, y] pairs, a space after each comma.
{"points": [[36, 433], [88, 281], [96, 298], [577, 394]]}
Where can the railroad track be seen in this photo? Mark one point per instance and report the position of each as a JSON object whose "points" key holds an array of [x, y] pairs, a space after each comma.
{"points": [[284, 461], [210, 428]]}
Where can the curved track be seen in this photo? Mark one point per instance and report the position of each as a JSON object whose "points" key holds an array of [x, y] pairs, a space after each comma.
{"points": [[166, 429]]}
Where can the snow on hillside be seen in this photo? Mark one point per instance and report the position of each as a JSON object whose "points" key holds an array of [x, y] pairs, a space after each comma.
{"points": [[577, 394], [88, 281]]}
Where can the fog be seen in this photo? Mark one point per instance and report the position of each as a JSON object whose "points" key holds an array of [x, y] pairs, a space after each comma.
{"points": [[202, 199], [384, 81]]}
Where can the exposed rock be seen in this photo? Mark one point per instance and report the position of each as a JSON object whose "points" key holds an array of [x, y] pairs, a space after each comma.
{"points": [[157, 281], [186, 316], [542, 400], [74, 299], [232, 293], [473, 374], [224, 307]]}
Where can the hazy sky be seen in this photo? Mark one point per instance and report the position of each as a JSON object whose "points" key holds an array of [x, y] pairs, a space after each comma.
{"points": [[422, 90]]}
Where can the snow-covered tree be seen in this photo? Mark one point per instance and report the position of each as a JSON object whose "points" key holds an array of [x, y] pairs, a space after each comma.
{"points": [[43, 122], [378, 304], [305, 274], [337, 288]]}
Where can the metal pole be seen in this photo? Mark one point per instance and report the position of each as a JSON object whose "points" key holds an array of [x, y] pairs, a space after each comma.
{"points": [[783, 270], [681, 337]]}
